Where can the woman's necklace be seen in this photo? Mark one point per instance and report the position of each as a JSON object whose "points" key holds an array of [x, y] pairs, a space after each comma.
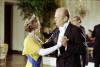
{"points": [[38, 39], [34, 36]]}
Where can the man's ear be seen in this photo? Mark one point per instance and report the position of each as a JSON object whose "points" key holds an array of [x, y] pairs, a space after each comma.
{"points": [[65, 18]]}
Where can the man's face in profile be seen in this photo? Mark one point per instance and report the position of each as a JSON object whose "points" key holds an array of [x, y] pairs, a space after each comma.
{"points": [[75, 21], [59, 18]]}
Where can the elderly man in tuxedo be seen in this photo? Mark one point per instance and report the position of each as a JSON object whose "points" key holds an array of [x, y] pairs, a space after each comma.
{"points": [[68, 55]]}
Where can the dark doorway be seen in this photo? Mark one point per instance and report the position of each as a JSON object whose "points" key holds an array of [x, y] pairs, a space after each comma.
{"points": [[8, 25]]}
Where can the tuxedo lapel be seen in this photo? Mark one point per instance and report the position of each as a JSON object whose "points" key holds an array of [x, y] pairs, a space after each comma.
{"points": [[67, 33], [68, 30]]}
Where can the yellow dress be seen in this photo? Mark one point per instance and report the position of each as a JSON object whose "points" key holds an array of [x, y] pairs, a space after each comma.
{"points": [[31, 46]]}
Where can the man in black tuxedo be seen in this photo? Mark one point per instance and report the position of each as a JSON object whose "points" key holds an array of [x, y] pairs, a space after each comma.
{"points": [[96, 51], [69, 54], [76, 20]]}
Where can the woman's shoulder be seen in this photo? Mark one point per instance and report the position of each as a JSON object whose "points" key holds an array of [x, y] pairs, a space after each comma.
{"points": [[28, 39]]}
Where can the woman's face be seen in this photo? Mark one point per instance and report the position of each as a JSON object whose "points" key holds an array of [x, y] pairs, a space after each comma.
{"points": [[34, 24]]}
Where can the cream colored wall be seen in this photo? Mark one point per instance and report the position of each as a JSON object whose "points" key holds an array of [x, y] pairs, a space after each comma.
{"points": [[18, 29], [1, 21], [92, 12]]}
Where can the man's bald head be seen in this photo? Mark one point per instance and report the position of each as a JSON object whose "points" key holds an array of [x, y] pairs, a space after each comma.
{"points": [[63, 12]]}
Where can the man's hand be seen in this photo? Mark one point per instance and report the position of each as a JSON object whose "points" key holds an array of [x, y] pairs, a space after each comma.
{"points": [[64, 41]]}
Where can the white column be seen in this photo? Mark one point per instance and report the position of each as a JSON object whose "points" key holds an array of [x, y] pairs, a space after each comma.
{"points": [[18, 30], [1, 21]]}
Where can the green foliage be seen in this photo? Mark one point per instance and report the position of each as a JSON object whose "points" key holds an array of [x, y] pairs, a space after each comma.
{"points": [[41, 8]]}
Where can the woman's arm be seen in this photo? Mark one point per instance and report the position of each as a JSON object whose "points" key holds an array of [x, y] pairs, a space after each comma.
{"points": [[47, 51]]}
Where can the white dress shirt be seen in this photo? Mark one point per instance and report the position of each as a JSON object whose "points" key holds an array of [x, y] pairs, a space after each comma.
{"points": [[61, 34]]}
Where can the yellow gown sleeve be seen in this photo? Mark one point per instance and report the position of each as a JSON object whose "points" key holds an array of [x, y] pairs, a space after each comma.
{"points": [[30, 46]]}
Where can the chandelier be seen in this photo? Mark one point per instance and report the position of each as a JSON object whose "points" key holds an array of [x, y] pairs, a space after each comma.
{"points": [[81, 9]]}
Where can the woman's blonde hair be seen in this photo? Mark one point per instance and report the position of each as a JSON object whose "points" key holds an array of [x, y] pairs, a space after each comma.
{"points": [[29, 23]]}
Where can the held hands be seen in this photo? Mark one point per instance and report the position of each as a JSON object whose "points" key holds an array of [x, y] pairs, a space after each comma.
{"points": [[62, 41]]}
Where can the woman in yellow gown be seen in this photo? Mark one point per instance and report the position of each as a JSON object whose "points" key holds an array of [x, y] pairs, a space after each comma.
{"points": [[32, 44]]}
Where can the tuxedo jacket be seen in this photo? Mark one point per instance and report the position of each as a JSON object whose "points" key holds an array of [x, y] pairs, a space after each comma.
{"points": [[96, 34], [85, 56], [75, 47]]}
